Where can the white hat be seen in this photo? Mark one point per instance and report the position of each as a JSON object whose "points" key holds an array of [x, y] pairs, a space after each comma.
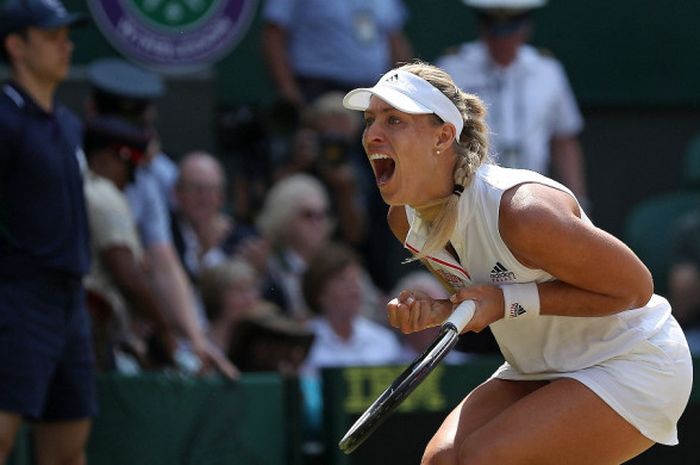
{"points": [[505, 4], [409, 93]]}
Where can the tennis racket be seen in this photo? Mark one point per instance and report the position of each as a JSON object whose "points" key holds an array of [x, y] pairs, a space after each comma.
{"points": [[409, 379]]}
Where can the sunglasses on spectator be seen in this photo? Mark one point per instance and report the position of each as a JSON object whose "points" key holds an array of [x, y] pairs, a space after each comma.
{"points": [[314, 214]]}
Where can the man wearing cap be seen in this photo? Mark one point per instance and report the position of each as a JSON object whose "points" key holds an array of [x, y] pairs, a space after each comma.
{"points": [[532, 112], [122, 89], [46, 359], [114, 148]]}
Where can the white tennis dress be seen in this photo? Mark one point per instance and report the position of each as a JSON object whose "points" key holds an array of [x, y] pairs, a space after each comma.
{"points": [[636, 360]]}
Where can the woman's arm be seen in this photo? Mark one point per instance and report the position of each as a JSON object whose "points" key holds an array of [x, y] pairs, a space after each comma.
{"points": [[596, 273]]}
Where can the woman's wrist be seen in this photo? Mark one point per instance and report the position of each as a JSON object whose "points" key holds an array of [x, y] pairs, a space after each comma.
{"points": [[521, 300]]}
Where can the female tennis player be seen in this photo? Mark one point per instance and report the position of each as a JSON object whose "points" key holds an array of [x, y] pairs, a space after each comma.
{"points": [[596, 369]]}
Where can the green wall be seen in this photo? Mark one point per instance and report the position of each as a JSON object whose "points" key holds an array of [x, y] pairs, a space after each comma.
{"points": [[616, 52], [165, 419]]}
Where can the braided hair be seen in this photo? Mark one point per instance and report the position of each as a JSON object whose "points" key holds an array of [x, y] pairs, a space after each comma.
{"points": [[471, 149]]}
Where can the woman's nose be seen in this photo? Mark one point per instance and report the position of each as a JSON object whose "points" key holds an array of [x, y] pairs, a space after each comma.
{"points": [[372, 134]]}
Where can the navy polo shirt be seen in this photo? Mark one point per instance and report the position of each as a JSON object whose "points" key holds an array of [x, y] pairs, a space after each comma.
{"points": [[43, 221]]}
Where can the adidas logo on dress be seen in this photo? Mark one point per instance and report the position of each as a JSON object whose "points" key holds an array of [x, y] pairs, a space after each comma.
{"points": [[500, 273]]}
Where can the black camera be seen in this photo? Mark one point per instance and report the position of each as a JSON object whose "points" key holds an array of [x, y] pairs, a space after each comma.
{"points": [[333, 150]]}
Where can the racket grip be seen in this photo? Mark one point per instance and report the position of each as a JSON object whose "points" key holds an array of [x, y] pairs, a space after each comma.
{"points": [[461, 315]]}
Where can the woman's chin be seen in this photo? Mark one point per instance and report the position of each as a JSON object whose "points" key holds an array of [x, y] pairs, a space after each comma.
{"points": [[391, 200]]}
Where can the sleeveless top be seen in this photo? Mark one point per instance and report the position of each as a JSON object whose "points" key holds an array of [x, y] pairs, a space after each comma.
{"points": [[547, 343]]}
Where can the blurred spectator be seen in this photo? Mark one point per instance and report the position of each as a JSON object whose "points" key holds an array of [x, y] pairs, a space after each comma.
{"points": [[414, 344], [333, 289], [684, 277], [295, 219], [315, 46], [328, 147], [333, 286], [114, 148], [250, 330], [251, 142], [125, 90], [203, 234], [46, 358], [532, 112]]}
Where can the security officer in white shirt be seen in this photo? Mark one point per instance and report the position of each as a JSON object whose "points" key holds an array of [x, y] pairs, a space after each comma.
{"points": [[532, 112]]}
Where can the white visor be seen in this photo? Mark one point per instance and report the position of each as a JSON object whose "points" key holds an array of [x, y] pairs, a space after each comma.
{"points": [[408, 93]]}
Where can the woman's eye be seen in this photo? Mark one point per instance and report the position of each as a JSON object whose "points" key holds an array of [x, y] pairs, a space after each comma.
{"points": [[368, 122], [394, 120]]}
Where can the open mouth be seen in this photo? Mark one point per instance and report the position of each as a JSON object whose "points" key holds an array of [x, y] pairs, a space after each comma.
{"points": [[383, 167]]}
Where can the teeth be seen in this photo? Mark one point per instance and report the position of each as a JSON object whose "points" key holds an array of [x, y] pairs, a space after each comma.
{"points": [[379, 156]]}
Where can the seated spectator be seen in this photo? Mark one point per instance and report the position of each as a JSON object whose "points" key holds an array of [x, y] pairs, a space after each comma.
{"points": [[327, 146], [251, 331], [333, 289], [113, 149], [203, 234], [295, 220], [414, 344], [684, 278]]}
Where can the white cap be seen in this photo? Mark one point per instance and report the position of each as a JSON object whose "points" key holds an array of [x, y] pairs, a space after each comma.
{"points": [[505, 4], [409, 93]]}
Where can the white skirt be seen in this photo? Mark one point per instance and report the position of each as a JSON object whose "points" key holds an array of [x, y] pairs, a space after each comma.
{"points": [[649, 386]]}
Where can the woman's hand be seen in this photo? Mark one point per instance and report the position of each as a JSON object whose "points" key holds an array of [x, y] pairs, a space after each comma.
{"points": [[414, 311], [489, 305]]}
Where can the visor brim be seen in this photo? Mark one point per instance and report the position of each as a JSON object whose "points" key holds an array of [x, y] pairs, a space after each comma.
{"points": [[359, 99]]}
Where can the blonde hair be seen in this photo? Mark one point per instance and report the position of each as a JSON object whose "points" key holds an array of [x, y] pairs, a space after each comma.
{"points": [[283, 201], [471, 148], [214, 282]]}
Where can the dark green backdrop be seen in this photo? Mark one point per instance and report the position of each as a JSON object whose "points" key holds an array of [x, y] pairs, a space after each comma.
{"points": [[616, 52]]}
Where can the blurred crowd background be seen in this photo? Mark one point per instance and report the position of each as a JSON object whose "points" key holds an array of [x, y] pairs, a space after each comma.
{"points": [[268, 249]]}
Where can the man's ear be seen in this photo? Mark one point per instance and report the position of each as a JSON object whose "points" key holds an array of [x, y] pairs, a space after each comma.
{"points": [[13, 44]]}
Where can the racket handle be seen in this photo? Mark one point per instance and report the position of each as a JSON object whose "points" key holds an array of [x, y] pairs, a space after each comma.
{"points": [[461, 315]]}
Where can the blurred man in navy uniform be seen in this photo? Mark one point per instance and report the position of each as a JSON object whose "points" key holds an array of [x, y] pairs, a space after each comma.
{"points": [[532, 112], [46, 359]]}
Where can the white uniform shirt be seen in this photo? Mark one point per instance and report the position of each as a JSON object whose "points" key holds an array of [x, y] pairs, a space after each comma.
{"points": [[528, 102], [370, 344], [542, 345]]}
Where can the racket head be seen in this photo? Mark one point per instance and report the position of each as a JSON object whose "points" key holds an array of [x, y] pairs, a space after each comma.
{"points": [[402, 386]]}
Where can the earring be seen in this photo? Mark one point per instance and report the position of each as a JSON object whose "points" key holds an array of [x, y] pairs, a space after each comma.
{"points": [[437, 152]]}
